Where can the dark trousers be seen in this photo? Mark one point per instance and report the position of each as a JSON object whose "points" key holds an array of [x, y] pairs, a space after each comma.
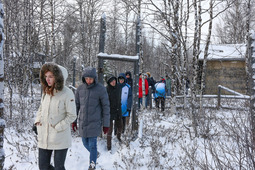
{"points": [[59, 159], [118, 126], [123, 124], [148, 100], [140, 102], [162, 101]]}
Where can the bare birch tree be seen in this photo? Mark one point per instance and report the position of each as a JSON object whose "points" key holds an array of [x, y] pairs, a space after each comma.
{"points": [[168, 24], [205, 122], [174, 21], [2, 121], [19, 48], [250, 55], [231, 28], [89, 15]]}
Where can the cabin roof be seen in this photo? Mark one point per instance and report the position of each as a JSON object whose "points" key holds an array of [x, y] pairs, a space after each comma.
{"points": [[224, 52]]}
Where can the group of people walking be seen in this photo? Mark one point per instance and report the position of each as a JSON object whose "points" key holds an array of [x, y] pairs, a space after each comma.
{"points": [[120, 97], [160, 89], [97, 108]]}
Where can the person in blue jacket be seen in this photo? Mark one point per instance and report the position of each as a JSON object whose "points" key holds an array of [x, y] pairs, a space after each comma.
{"points": [[160, 95], [126, 99]]}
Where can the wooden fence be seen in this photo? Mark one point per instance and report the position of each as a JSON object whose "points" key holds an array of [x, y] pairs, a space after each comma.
{"points": [[236, 101]]}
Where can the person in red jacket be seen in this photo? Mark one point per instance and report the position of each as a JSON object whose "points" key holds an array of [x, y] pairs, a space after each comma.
{"points": [[140, 98]]}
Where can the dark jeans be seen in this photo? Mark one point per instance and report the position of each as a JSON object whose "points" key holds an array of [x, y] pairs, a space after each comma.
{"points": [[148, 100], [91, 145], [140, 102], [162, 101], [123, 124], [118, 125], [59, 159]]}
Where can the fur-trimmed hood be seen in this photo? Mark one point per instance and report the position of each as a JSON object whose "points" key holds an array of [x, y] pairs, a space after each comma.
{"points": [[58, 71]]}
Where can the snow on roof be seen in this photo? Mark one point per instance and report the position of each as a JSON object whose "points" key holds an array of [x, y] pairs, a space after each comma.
{"points": [[118, 57], [224, 52]]}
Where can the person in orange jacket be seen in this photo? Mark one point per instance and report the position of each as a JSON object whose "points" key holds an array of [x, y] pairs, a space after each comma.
{"points": [[140, 100]]}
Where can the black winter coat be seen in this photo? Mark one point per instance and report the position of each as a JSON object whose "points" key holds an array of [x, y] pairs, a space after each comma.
{"points": [[129, 80], [114, 94], [151, 82]]}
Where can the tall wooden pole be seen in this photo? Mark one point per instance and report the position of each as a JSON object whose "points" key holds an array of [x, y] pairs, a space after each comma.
{"points": [[136, 72], [101, 49]]}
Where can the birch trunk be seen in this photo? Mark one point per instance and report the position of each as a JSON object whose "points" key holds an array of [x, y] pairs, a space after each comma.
{"points": [[2, 121], [204, 125], [250, 61], [195, 65]]}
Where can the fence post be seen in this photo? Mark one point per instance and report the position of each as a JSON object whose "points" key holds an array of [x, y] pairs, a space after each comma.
{"points": [[219, 93]]}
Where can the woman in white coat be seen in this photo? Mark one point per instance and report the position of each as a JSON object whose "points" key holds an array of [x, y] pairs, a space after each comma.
{"points": [[56, 112]]}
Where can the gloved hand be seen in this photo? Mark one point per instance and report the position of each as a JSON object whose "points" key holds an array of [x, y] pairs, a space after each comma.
{"points": [[105, 129], [34, 128], [119, 117], [74, 126]]}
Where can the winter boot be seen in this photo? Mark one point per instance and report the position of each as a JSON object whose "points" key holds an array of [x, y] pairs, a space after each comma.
{"points": [[51, 167], [92, 166], [109, 148], [115, 130], [119, 139]]}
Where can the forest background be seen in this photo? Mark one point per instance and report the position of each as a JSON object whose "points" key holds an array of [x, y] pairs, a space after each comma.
{"points": [[67, 32]]}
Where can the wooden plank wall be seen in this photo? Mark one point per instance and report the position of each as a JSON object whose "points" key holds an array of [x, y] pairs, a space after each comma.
{"points": [[230, 74]]}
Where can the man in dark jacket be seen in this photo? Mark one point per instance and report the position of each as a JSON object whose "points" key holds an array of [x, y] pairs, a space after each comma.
{"points": [[129, 79], [114, 92], [151, 83], [92, 104]]}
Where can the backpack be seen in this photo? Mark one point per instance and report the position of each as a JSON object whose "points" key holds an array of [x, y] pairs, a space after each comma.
{"points": [[160, 89]]}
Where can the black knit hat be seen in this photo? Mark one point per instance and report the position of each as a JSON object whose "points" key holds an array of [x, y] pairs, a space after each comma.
{"points": [[110, 78]]}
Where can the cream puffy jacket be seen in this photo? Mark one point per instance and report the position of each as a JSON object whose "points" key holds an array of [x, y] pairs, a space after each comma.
{"points": [[55, 115]]}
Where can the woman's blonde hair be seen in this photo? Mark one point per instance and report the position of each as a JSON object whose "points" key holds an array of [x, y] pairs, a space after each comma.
{"points": [[149, 74]]}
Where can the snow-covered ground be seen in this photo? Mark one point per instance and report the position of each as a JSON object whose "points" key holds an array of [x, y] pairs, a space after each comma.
{"points": [[165, 142], [21, 151]]}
